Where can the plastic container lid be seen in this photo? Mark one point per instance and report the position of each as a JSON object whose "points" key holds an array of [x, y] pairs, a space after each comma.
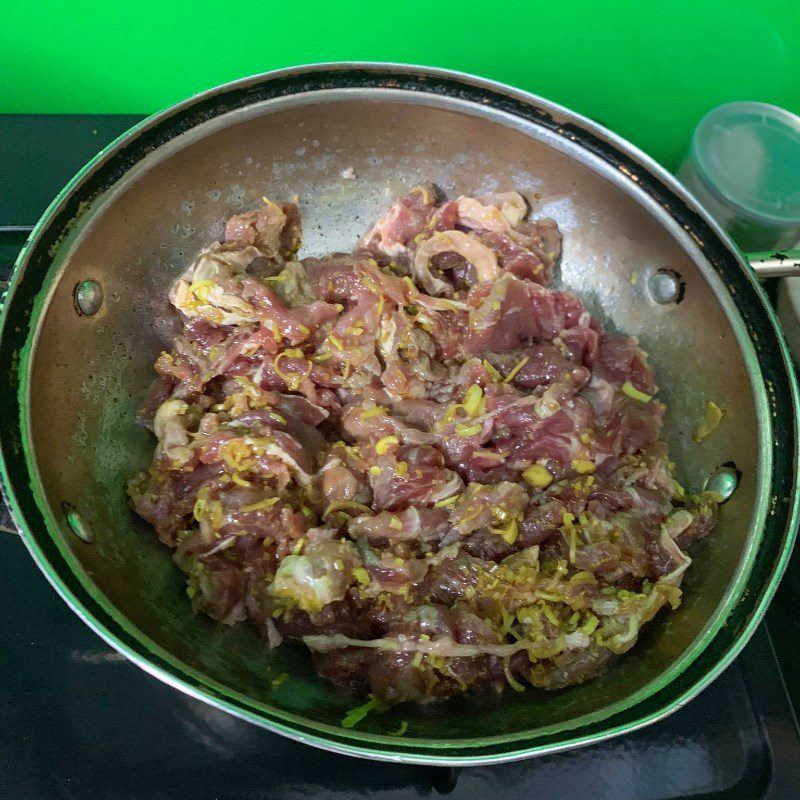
{"points": [[750, 154]]}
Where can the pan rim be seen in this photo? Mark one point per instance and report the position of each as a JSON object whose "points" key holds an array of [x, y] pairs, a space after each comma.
{"points": [[353, 747]]}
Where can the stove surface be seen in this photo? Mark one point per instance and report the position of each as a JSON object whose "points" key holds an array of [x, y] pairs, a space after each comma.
{"points": [[79, 721]]}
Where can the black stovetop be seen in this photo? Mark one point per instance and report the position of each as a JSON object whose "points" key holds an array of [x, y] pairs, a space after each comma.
{"points": [[78, 721]]}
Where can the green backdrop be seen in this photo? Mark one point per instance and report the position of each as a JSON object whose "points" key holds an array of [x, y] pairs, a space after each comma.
{"points": [[647, 69]]}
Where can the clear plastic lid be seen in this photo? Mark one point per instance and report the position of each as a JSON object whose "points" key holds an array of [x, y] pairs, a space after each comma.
{"points": [[750, 154]]}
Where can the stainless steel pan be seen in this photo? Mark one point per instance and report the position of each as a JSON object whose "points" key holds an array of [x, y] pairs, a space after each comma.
{"points": [[637, 248]]}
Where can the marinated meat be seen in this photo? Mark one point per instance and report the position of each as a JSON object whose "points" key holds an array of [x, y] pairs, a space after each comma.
{"points": [[419, 460]]}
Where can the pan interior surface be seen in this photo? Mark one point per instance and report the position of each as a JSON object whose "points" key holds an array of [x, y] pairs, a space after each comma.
{"points": [[86, 376]]}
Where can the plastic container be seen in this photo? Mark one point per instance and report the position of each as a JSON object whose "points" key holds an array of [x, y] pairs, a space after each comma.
{"points": [[744, 167]]}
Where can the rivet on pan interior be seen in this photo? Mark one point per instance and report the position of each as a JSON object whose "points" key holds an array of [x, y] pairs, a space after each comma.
{"points": [[724, 480], [88, 297], [666, 286], [78, 526]]}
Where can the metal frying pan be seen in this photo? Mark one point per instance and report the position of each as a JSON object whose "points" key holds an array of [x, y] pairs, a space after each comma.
{"points": [[79, 338]]}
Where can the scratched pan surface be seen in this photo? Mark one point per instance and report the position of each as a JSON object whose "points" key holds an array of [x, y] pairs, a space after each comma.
{"points": [[133, 218]]}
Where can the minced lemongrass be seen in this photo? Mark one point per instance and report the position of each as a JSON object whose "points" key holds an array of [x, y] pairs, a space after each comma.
{"points": [[537, 476], [376, 411], [513, 374], [382, 445], [629, 389], [355, 715], [472, 400]]}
